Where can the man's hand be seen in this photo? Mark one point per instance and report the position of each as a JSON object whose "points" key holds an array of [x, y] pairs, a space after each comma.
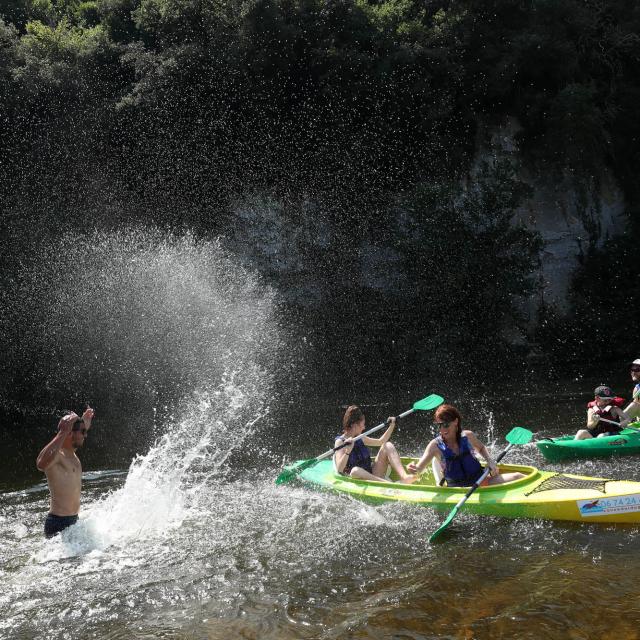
{"points": [[65, 426], [87, 416]]}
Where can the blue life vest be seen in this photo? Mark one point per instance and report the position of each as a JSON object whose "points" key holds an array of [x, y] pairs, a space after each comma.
{"points": [[636, 393], [359, 457], [462, 469]]}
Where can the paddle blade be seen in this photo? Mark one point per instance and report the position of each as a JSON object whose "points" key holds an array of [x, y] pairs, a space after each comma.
{"points": [[519, 435], [428, 403], [293, 470], [444, 525]]}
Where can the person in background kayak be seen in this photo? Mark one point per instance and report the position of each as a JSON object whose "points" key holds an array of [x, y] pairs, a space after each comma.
{"points": [[633, 410], [604, 416], [354, 460], [455, 450]]}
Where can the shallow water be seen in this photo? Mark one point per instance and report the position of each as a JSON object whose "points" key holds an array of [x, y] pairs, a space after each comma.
{"points": [[234, 555]]}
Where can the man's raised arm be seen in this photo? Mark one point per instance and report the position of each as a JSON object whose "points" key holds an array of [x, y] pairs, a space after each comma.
{"points": [[48, 454]]}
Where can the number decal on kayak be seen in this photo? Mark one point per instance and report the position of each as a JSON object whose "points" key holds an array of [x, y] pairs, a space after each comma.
{"points": [[602, 506]]}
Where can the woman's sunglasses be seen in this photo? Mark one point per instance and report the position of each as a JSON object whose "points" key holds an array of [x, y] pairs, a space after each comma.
{"points": [[635, 369], [442, 425]]}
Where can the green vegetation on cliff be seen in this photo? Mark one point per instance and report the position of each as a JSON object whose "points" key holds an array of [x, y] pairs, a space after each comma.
{"points": [[169, 111]]}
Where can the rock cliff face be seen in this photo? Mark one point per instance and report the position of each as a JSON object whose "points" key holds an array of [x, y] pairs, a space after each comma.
{"points": [[293, 246], [569, 217], [280, 242]]}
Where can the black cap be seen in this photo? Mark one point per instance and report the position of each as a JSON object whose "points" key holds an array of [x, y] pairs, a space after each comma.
{"points": [[603, 392]]}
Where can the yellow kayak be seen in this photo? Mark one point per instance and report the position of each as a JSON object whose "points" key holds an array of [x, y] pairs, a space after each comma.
{"points": [[540, 494]]}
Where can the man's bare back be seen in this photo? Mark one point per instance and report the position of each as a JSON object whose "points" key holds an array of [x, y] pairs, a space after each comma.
{"points": [[62, 467]]}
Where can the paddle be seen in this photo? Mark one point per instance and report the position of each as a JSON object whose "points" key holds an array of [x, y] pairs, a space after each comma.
{"points": [[616, 423], [517, 435], [288, 473]]}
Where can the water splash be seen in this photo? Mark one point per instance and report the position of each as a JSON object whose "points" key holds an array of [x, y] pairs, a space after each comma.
{"points": [[175, 341], [491, 428], [135, 320]]}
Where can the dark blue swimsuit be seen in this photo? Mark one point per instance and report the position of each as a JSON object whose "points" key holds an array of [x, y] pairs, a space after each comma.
{"points": [[359, 457]]}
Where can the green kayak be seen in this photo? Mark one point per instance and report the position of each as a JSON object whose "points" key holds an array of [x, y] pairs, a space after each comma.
{"points": [[540, 494], [627, 442]]}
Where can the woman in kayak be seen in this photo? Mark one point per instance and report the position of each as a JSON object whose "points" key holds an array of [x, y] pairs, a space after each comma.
{"points": [[633, 410], [355, 460], [455, 450], [604, 416]]}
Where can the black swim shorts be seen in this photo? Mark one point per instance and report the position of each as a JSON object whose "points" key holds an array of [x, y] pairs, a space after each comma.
{"points": [[54, 524]]}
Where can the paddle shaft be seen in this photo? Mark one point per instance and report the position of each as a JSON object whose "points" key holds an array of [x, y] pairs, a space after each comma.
{"points": [[382, 425], [480, 480], [618, 424]]}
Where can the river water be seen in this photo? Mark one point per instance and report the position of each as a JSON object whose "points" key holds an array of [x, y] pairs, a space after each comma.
{"points": [[191, 538]]}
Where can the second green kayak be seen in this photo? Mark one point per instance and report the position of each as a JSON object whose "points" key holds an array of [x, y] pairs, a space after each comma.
{"points": [[626, 442]]}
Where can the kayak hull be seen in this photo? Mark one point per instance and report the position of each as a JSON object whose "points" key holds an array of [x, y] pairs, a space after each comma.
{"points": [[540, 494], [625, 443]]}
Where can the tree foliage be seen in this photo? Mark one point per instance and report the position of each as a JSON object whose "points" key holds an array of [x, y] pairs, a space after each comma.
{"points": [[175, 109]]}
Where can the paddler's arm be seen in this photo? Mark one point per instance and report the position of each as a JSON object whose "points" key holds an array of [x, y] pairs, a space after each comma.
{"points": [[592, 418], [624, 418], [480, 447], [429, 453], [378, 442], [340, 457], [633, 409]]}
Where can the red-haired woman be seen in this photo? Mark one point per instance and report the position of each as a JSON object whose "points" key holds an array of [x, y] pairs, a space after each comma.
{"points": [[455, 450], [354, 460]]}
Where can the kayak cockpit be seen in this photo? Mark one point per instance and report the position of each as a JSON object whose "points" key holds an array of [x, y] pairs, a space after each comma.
{"points": [[427, 479]]}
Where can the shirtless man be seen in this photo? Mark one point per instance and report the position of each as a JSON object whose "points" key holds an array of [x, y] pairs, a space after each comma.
{"points": [[633, 410], [62, 467]]}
